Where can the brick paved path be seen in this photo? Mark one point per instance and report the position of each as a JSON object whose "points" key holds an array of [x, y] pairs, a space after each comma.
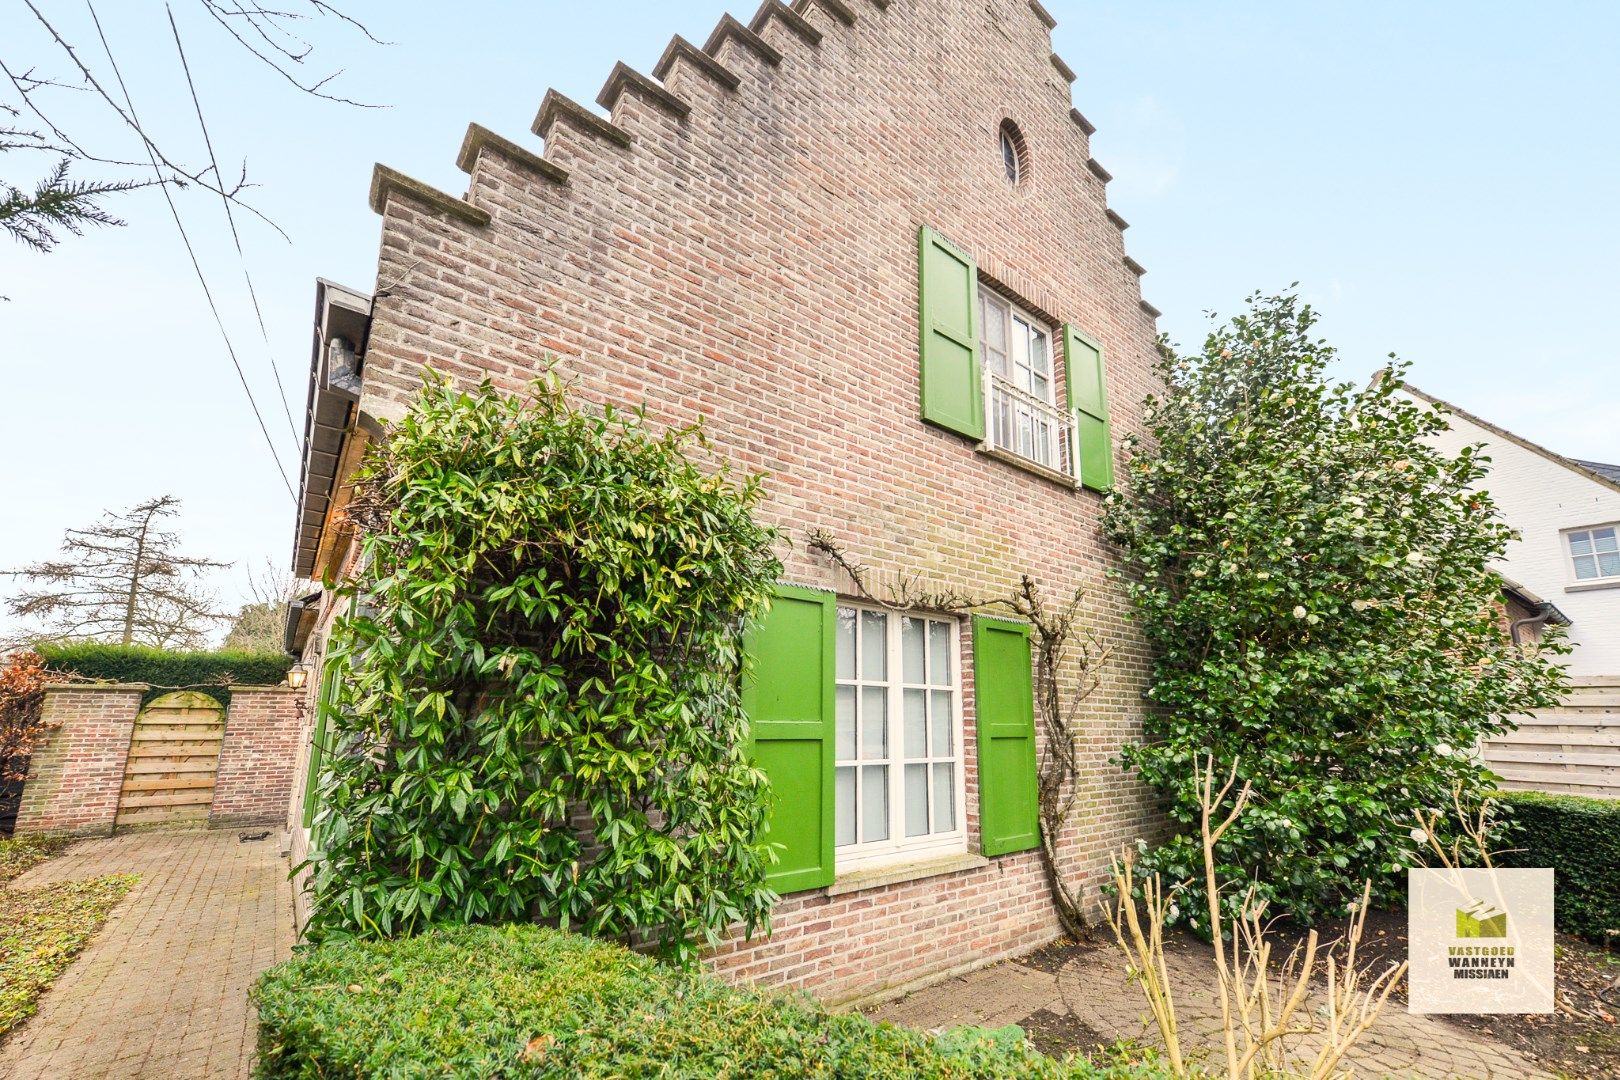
{"points": [[1089, 996], [162, 990]]}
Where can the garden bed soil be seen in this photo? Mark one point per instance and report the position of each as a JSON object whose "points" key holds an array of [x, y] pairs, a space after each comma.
{"points": [[1581, 1039]]}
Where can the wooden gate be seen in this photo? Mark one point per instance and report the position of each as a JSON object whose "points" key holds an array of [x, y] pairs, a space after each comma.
{"points": [[173, 758]]}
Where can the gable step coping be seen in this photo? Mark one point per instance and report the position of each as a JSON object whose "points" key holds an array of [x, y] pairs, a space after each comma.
{"points": [[775, 9], [624, 77], [1063, 69], [386, 183], [1042, 14], [1098, 171], [1119, 223], [836, 8], [555, 106], [681, 49], [479, 139], [1149, 308], [1134, 267], [728, 28], [1085, 125]]}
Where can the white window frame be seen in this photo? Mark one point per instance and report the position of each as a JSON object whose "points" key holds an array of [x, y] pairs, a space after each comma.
{"points": [[1023, 402], [1589, 531], [897, 847]]}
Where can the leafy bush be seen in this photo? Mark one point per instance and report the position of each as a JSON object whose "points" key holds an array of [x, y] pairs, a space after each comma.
{"points": [[537, 705], [533, 1002], [212, 673], [1580, 839], [22, 695], [1312, 574]]}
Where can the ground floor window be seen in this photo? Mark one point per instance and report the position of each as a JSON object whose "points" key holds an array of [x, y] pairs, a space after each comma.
{"points": [[899, 736]]}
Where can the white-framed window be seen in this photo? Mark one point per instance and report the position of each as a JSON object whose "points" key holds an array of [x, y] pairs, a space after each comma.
{"points": [[1020, 388], [899, 739], [1594, 553]]}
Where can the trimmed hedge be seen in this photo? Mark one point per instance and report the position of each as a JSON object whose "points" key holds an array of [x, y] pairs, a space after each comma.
{"points": [[212, 673], [1580, 839], [527, 1001]]}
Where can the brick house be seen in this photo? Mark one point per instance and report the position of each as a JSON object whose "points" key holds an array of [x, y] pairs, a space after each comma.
{"points": [[866, 240]]}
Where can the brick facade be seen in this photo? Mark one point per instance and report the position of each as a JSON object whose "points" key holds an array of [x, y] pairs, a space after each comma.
{"points": [[258, 756], [738, 242], [74, 777]]}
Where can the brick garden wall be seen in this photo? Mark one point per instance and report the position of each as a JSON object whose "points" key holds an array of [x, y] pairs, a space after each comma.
{"points": [[258, 759], [74, 777], [739, 244]]}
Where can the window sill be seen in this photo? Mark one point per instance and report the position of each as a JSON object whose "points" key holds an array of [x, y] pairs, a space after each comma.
{"points": [[872, 877], [1017, 462], [1592, 586]]}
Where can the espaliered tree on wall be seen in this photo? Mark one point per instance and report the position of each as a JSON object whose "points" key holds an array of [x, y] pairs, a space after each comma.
{"points": [[1313, 575], [535, 708]]}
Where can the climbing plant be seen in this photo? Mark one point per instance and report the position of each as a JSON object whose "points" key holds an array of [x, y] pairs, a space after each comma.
{"points": [[1312, 571], [536, 712]]}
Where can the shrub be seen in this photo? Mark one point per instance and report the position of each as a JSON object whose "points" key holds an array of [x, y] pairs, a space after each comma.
{"points": [[537, 706], [534, 1002], [22, 695], [1580, 839], [1312, 574], [212, 673]]}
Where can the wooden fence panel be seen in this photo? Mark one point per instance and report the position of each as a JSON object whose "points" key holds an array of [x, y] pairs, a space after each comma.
{"points": [[1572, 750], [173, 760]]}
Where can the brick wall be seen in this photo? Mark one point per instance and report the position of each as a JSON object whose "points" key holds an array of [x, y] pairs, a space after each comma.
{"points": [[258, 759], [75, 776], [739, 244]]}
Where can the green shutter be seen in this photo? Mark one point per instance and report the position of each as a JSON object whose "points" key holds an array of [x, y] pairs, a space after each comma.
{"points": [[317, 746], [1088, 399], [789, 695], [948, 303], [1009, 814]]}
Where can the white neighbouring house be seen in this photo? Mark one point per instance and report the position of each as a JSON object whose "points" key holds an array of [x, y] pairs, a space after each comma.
{"points": [[1567, 515], [1564, 567]]}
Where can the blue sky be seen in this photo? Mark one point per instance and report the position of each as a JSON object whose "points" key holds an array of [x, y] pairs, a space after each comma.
{"points": [[1440, 179]]}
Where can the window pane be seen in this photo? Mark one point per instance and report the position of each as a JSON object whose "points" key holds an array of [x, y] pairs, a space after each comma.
{"points": [[995, 325], [874, 803], [1608, 564], [1040, 387], [874, 722], [874, 645], [1038, 358], [1585, 567], [846, 723], [912, 632], [1019, 346], [1604, 540], [944, 798], [1043, 442], [916, 800], [944, 722], [916, 724], [1004, 426], [939, 653], [844, 812], [1023, 432], [846, 643], [997, 360], [1580, 543]]}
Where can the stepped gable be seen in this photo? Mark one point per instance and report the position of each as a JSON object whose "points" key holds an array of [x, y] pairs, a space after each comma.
{"points": [[778, 36]]}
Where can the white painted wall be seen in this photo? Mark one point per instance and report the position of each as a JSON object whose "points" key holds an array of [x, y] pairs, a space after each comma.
{"points": [[1542, 499]]}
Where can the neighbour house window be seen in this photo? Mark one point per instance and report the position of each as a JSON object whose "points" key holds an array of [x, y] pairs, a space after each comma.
{"points": [[898, 776], [1019, 386], [1595, 553]]}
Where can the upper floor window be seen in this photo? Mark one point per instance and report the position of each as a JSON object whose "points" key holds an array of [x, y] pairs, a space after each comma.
{"points": [[1019, 386], [1595, 553], [1014, 153], [899, 736]]}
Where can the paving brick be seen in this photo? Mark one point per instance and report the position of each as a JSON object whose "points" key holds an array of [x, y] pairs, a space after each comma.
{"points": [[162, 990]]}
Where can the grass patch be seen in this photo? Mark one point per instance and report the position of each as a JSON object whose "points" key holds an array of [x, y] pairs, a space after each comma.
{"points": [[22, 853], [41, 930], [527, 1001]]}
